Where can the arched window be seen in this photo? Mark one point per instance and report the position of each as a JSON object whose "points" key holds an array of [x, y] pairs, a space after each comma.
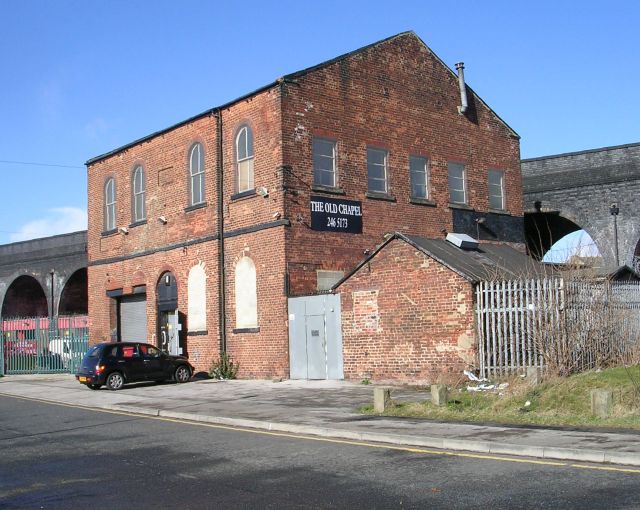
{"points": [[246, 294], [138, 187], [197, 298], [196, 175], [110, 204], [244, 159]]}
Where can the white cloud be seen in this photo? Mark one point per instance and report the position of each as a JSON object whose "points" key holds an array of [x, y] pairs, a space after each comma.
{"points": [[60, 221]]}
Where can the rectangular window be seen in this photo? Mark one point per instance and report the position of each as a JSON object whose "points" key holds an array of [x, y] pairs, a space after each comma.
{"points": [[496, 189], [324, 162], [327, 279], [419, 170], [457, 184], [377, 170]]}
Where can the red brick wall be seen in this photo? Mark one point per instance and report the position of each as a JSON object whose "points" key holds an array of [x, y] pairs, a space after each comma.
{"points": [[406, 317], [397, 96], [146, 249]]}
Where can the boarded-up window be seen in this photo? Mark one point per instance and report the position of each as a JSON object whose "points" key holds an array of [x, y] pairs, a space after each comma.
{"points": [[326, 279], [366, 317], [197, 299], [246, 294]]}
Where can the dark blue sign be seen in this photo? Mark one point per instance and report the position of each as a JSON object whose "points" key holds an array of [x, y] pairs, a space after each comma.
{"points": [[335, 215]]}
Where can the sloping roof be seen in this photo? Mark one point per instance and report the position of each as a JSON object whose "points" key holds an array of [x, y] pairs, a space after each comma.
{"points": [[290, 77], [487, 262]]}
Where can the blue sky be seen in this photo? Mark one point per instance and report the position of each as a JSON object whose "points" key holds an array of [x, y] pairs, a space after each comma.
{"points": [[80, 78]]}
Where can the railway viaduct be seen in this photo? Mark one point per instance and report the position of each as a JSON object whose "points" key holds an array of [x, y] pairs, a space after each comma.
{"points": [[568, 192], [44, 276]]}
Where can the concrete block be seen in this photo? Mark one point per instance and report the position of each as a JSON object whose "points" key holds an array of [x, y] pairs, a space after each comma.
{"points": [[439, 394], [601, 402], [381, 399], [534, 375]]}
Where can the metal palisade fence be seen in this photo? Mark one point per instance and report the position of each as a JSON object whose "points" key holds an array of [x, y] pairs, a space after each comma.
{"points": [[567, 325], [39, 345]]}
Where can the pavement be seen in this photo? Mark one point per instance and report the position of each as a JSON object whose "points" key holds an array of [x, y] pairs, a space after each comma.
{"points": [[327, 409]]}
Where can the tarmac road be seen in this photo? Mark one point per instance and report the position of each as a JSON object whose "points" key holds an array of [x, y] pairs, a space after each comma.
{"points": [[58, 456]]}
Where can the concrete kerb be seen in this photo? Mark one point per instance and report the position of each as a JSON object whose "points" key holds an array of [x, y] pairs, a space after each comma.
{"points": [[484, 447]]}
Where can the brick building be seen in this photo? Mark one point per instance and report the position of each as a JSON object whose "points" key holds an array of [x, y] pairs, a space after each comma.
{"points": [[282, 191]]}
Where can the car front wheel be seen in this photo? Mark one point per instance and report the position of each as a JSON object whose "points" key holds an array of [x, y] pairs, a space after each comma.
{"points": [[182, 374], [115, 381]]}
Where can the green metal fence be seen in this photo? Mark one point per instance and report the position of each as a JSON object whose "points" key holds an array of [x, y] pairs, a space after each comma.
{"points": [[39, 345]]}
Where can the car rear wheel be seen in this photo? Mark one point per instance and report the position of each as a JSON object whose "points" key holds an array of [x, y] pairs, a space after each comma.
{"points": [[94, 386], [182, 374], [115, 381]]}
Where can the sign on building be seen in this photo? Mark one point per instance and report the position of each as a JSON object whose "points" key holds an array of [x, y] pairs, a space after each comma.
{"points": [[335, 215]]}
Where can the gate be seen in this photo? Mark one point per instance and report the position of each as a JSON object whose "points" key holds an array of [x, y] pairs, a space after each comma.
{"points": [[315, 337], [38, 345]]}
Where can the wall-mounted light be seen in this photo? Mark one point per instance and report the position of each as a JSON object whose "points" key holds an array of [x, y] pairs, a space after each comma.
{"points": [[162, 219], [123, 230], [276, 215], [262, 191]]}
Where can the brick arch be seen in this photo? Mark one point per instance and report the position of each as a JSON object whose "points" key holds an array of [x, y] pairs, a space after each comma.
{"points": [[74, 295], [138, 278], [25, 297]]}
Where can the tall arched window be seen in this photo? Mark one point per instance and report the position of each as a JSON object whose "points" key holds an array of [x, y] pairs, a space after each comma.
{"points": [[110, 204], [196, 175], [138, 187], [244, 159], [246, 294]]}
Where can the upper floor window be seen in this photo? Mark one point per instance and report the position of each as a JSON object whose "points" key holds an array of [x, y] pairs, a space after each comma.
{"points": [[324, 162], [496, 189], [110, 204], [419, 170], [244, 159], [377, 170], [196, 175], [138, 187], [457, 183]]}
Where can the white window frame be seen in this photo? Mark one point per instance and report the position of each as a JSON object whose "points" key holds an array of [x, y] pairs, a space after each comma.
{"points": [[196, 175], [424, 163], [244, 160], [384, 166], [318, 171], [493, 187], [138, 187], [462, 179], [110, 204]]}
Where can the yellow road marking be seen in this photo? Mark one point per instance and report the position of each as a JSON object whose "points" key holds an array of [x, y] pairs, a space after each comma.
{"points": [[332, 440]]}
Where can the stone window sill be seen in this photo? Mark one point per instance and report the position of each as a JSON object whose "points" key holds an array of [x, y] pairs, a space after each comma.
{"points": [[327, 189], [460, 206], [137, 223], [195, 206], [422, 201], [107, 233], [250, 193], [380, 196], [246, 330]]}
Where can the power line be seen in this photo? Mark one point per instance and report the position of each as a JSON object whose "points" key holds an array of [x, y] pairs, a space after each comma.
{"points": [[6, 161]]}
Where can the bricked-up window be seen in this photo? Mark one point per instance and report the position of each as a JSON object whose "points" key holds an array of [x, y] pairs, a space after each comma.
{"points": [[197, 298], [244, 159], [110, 204], [324, 162], [139, 212], [246, 294], [196, 175], [419, 169], [496, 189], [457, 183], [377, 170], [326, 279]]}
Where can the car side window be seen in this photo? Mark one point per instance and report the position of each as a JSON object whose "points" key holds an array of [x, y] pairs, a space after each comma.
{"points": [[111, 352], [153, 352], [128, 351]]}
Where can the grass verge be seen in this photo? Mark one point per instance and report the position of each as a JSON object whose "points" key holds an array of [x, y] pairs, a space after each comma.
{"points": [[556, 402]]}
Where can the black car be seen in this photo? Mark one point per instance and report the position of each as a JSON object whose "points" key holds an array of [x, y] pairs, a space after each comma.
{"points": [[116, 364]]}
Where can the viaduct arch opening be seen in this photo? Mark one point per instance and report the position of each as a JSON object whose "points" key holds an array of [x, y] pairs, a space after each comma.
{"points": [[544, 229], [74, 298], [25, 297]]}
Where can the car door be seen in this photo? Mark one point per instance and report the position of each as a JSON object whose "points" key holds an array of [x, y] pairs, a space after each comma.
{"points": [[130, 363], [153, 362]]}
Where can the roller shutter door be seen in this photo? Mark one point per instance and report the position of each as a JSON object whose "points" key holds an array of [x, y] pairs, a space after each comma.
{"points": [[133, 318]]}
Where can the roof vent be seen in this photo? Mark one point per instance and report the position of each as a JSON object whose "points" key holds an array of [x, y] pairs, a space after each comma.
{"points": [[462, 241]]}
